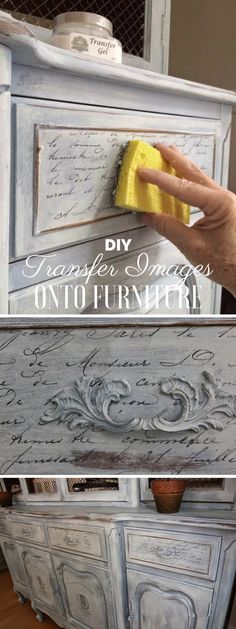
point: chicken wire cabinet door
(165, 603)
(142, 27)
(152, 51)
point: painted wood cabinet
(153, 570)
(117, 397)
(69, 120)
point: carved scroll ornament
(89, 400)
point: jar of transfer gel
(88, 34)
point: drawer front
(87, 542)
(29, 532)
(66, 161)
(189, 554)
(148, 293)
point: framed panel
(49, 211)
(161, 602)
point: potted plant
(168, 493)
(5, 498)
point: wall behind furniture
(203, 49)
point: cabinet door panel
(66, 168)
(14, 562)
(163, 603)
(41, 578)
(85, 590)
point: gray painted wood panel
(128, 398)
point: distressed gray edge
(43, 321)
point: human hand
(212, 239)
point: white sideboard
(117, 396)
(68, 121)
(122, 568)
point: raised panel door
(85, 590)
(14, 562)
(161, 603)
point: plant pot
(5, 498)
(168, 494)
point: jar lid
(83, 17)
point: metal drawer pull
(71, 540)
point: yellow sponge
(133, 193)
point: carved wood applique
(89, 399)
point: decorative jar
(89, 34)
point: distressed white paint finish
(28, 531)
(87, 541)
(40, 578)
(5, 141)
(163, 603)
(85, 591)
(78, 591)
(14, 564)
(28, 51)
(74, 399)
(187, 552)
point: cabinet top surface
(29, 51)
(148, 515)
